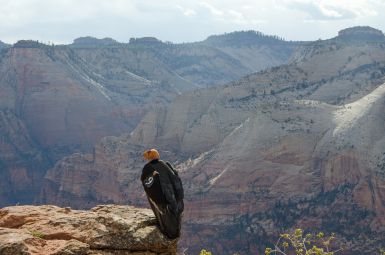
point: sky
(61, 21)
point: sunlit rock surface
(103, 230)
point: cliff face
(111, 173)
(51, 107)
(188, 65)
(104, 230)
(59, 100)
(299, 145)
(361, 34)
(286, 147)
(22, 164)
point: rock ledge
(103, 230)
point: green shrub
(204, 252)
(301, 244)
(37, 234)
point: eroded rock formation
(299, 145)
(58, 100)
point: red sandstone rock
(106, 229)
(254, 162)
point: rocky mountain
(243, 38)
(92, 41)
(58, 100)
(54, 104)
(216, 60)
(362, 34)
(104, 230)
(3, 45)
(298, 145)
